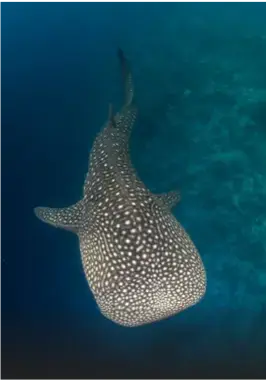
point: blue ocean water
(199, 72)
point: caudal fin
(127, 78)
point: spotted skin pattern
(140, 264)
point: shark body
(140, 264)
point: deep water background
(199, 72)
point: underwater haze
(199, 74)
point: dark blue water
(199, 72)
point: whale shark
(139, 262)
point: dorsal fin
(67, 218)
(169, 199)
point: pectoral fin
(169, 199)
(67, 218)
